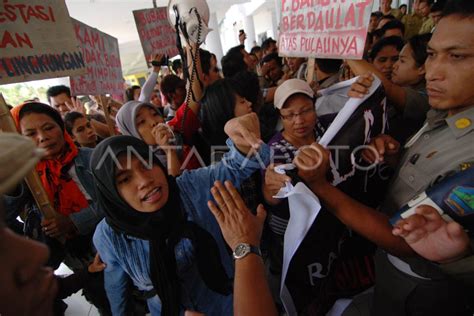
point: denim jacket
(128, 258)
(84, 220)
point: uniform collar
(461, 123)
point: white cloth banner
(304, 205)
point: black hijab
(163, 228)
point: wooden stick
(310, 71)
(32, 178)
(103, 102)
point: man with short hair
(436, 11)
(393, 28)
(428, 23)
(272, 70)
(59, 97)
(269, 47)
(413, 21)
(386, 9)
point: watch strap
(248, 249)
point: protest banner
(324, 28)
(37, 41)
(156, 34)
(102, 60)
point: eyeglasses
(292, 116)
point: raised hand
(163, 135)
(429, 235)
(237, 223)
(75, 105)
(244, 132)
(156, 58)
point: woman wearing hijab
(158, 231)
(143, 121)
(66, 177)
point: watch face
(241, 250)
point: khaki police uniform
(396, 13)
(413, 23)
(427, 26)
(415, 286)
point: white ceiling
(115, 17)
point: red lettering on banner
(361, 6)
(16, 40)
(350, 16)
(331, 28)
(25, 13)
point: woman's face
(83, 133)
(28, 288)
(242, 106)
(385, 60)
(145, 120)
(298, 116)
(143, 188)
(45, 132)
(405, 71)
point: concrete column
(213, 40)
(276, 16)
(249, 29)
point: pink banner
(324, 28)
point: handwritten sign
(324, 28)
(37, 41)
(156, 34)
(102, 59)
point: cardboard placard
(156, 34)
(324, 28)
(102, 60)
(37, 41)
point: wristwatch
(243, 249)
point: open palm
(429, 235)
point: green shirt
(427, 26)
(413, 23)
